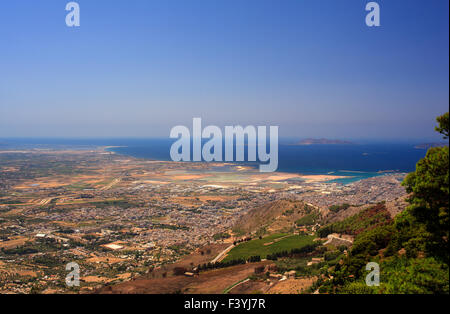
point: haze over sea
(357, 161)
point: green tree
(443, 125)
(429, 188)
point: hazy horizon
(282, 139)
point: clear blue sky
(140, 67)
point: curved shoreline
(334, 176)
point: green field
(257, 247)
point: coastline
(343, 177)
(289, 172)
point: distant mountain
(429, 145)
(323, 141)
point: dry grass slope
(276, 216)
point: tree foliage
(429, 188)
(443, 125)
(412, 250)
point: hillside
(342, 212)
(277, 216)
(212, 281)
(411, 250)
(368, 219)
(400, 246)
(269, 245)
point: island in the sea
(323, 141)
(430, 145)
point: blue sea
(355, 161)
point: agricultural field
(272, 244)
